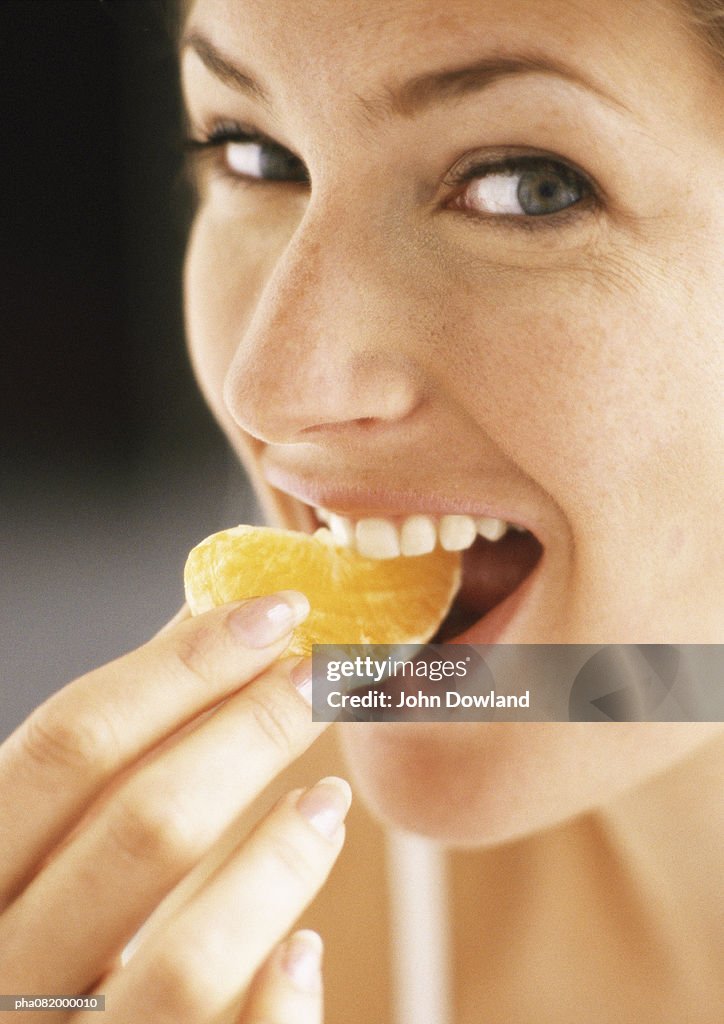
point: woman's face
(468, 258)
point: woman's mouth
(498, 559)
(503, 544)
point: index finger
(63, 755)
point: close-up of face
(467, 259)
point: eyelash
(198, 151)
(224, 133)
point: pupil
(279, 165)
(548, 189)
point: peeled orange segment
(354, 600)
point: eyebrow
(421, 92)
(415, 95)
(222, 67)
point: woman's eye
(265, 161)
(523, 187)
(245, 155)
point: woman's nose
(322, 352)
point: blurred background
(110, 466)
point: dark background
(110, 465)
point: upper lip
(360, 502)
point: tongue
(491, 571)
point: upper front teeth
(377, 538)
(416, 535)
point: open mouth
(498, 561)
(493, 584)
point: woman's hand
(119, 785)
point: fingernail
(263, 620)
(302, 679)
(325, 806)
(302, 960)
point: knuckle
(154, 829)
(83, 742)
(275, 719)
(193, 653)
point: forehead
(361, 33)
(353, 37)
(326, 56)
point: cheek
(591, 385)
(481, 784)
(210, 331)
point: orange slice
(354, 600)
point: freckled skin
(370, 331)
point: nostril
(324, 384)
(351, 427)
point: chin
(454, 783)
(482, 784)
